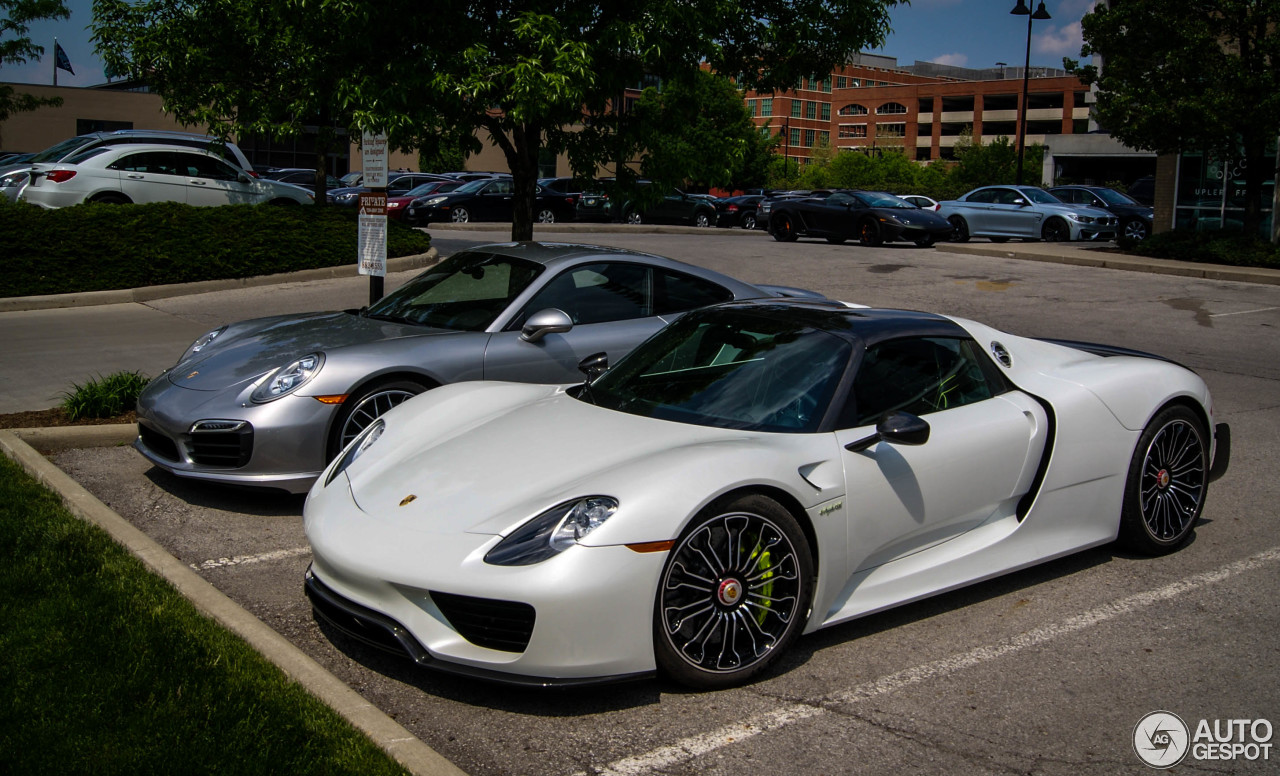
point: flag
(61, 61)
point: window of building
(926, 105)
(810, 110)
(890, 108)
(1080, 126)
(825, 112)
(766, 106)
(853, 130)
(1081, 99)
(924, 130)
(826, 84)
(795, 109)
(891, 130)
(853, 110)
(795, 136)
(824, 136)
(854, 83)
(765, 132)
(808, 138)
(751, 107)
(842, 82)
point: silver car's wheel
(734, 594)
(546, 216)
(1167, 483)
(1135, 229)
(359, 411)
(459, 215)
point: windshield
(425, 188)
(1113, 197)
(471, 187)
(728, 369)
(58, 152)
(884, 199)
(465, 292)
(1039, 196)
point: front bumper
(590, 609)
(221, 437)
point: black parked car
(1135, 217)
(398, 184)
(675, 208)
(738, 211)
(488, 200)
(874, 217)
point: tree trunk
(524, 179)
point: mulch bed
(58, 417)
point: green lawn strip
(109, 670)
(98, 247)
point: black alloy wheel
(1055, 230)
(869, 233)
(782, 228)
(959, 229)
(1167, 483)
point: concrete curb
(389, 735)
(1086, 257)
(148, 293)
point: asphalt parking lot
(1046, 671)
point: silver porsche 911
(268, 402)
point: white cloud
(958, 60)
(1065, 40)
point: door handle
(198, 183)
(135, 176)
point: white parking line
(1245, 312)
(695, 746)
(244, 560)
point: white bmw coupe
(754, 471)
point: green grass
(101, 247)
(104, 397)
(106, 669)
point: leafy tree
(537, 74)
(1190, 75)
(985, 164)
(248, 67)
(16, 48)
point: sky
(967, 33)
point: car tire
(749, 221)
(1135, 229)
(634, 217)
(1055, 230)
(717, 626)
(869, 233)
(459, 215)
(782, 228)
(1167, 482)
(546, 216)
(361, 409)
(112, 198)
(959, 229)
(926, 241)
(701, 220)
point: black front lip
(374, 629)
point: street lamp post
(1023, 10)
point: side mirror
(594, 365)
(544, 322)
(1021, 202)
(243, 177)
(901, 428)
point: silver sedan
(268, 402)
(1025, 212)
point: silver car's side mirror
(544, 322)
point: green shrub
(1210, 247)
(104, 397)
(96, 247)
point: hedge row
(1211, 247)
(96, 247)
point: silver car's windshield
(465, 292)
(731, 370)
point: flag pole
(55, 61)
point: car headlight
(1079, 218)
(202, 342)
(552, 532)
(435, 200)
(345, 197)
(356, 449)
(288, 379)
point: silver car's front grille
(222, 443)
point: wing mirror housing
(594, 365)
(900, 428)
(544, 322)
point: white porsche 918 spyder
(754, 471)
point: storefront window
(1211, 192)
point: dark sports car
(874, 217)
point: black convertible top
(861, 325)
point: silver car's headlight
(553, 531)
(202, 342)
(356, 449)
(1079, 218)
(288, 379)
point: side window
(1009, 197)
(920, 375)
(498, 187)
(198, 166)
(597, 293)
(153, 162)
(676, 292)
(988, 195)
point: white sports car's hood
(485, 457)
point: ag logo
(1161, 739)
